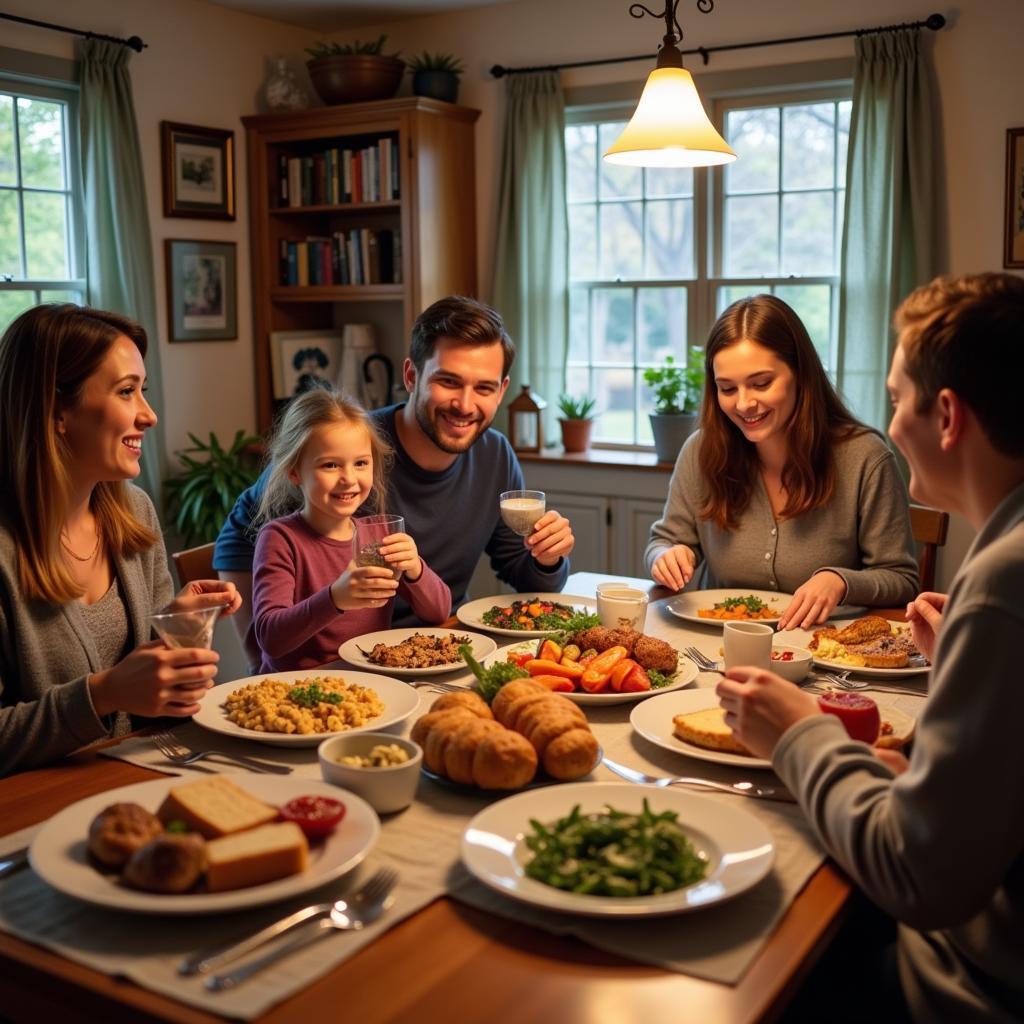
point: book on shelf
(337, 175)
(359, 256)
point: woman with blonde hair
(82, 562)
(309, 596)
(782, 488)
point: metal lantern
(526, 421)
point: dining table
(447, 960)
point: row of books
(359, 256)
(367, 175)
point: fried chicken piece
(600, 638)
(864, 629)
(650, 652)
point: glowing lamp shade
(669, 127)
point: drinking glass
(621, 607)
(186, 629)
(521, 509)
(370, 534)
(747, 643)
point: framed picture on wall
(1013, 252)
(202, 294)
(303, 359)
(198, 171)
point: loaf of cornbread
(256, 856)
(707, 729)
(214, 807)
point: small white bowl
(794, 670)
(384, 789)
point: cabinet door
(633, 520)
(589, 518)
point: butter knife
(13, 861)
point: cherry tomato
(317, 816)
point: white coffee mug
(621, 607)
(747, 643)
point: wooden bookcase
(433, 217)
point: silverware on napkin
(13, 861)
(736, 788)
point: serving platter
(471, 613)
(739, 848)
(686, 605)
(686, 675)
(59, 853)
(400, 700)
(355, 651)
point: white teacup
(747, 643)
(621, 607)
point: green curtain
(532, 254)
(119, 252)
(891, 226)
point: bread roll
(459, 753)
(550, 724)
(509, 692)
(441, 733)
(170, 863)
(119, 830)
(571, 755)
(516, 708)
(422, 726)
(463, 699)
(504, 760)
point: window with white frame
(656, 254)
(41, 234)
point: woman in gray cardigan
(82, 561)
(782, 489)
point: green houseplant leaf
(576, 408)
(436, 62)
(677, 389)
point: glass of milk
(521, 509)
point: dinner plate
(739, 848)
(352, 650)
(871, 673)
(400, 701)
(59, 856)
(686, 674)
(686, 605)
(653, 720)
(471, 613)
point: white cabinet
(631, 529)
(589, 516)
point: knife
(13, 861)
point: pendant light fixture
(669, 127)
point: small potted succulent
(354, 72)
(677, 395)
(576, 422)
(436, 75)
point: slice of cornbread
(707, 729)
(214, 807)
(256, 856)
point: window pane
(669, 181)
(843, 138)
(808, 134)
(840, 220)
(754, 134)
(613, 390)
(577, 384)
(661, 324)
(582, 243)
(41, 139)
(8, 175)
(644, 407)
(733, 293)
(612, 337)
(751, 236)
(618, 182)
(13, 303)
(45, 235)
(807, 233)
(812, 303)
(581, 161)
(10, 247)
(62, 295)
(622, 244)
(669, 249)
(579, 325)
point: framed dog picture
(198, 171)
(202, 296)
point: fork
(178, 754)
(854, 685)
(702, 661)
(736, 788)
(364, 907)
(428, 684)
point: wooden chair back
(929, 527)
(194, 564)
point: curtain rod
(933, 21)
(134, 41)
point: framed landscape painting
(202, 293)
(1013, 252)
(198, 171)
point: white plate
(59, 851)
(739, 848)
(400, 701)
(470, 614)
(352, 650)
(685, 606)
(653, 720)
(871, 673)
(686, 673)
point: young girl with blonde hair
(309, 596)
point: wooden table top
(446, 962)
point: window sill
(621, 458)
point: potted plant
(354, 72)
(200, 498)
(576, 422)
(677, 395)
(436, 75)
